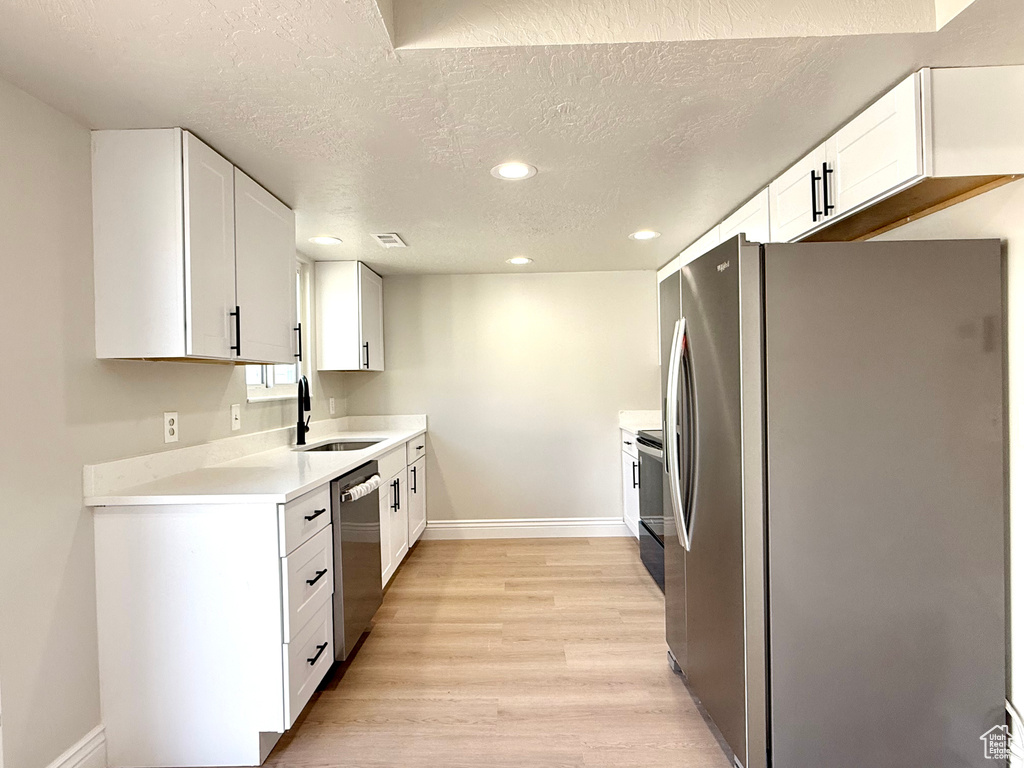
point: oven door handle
(656, 453)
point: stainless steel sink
(344, 445)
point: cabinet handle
(366, 349)
(237, 346)
(316, 514)
(319, 650)
(315, 579)
(394, 494)
(815, 213)
(398, 495)
(414, 479)
(420, 447)
(827, 208)
(628, 442)
(298, 331)
(636, 479)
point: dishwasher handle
(362, 489)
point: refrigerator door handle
(671, 436)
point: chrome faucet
(303, 424)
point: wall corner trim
(89, 752)
(526, 528)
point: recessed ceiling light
(513, 171)
(644, 234)
(325, 240)
(519, 260)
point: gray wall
(521, 377)
(998, 214)
(61, 408)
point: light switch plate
(236, 417)
(330, 404)
(170, 426)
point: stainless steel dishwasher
(355, 513)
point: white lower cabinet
(403, 503)
(630, 482)
(400, 517)
(215, 627)
(417, 499)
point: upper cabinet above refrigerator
(349, 317)
(936, 136)
(192, 259)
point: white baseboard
(530, 528)
(89, 752)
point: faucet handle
(307, 423)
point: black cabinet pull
(319, 650)
(414, 479)
(628, 442)
(237, 346)
(420, 447)
(316, 514)
(815, 213)
(827, 208)
(298, 331)
(366, 349)
(636, 478)
(394, 494)
(398, 495)
(315, 579)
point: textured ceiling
(311, 99)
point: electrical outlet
(236, 417)
(330, 404)
(170, 426)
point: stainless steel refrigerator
(836, 499)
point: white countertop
(634, 421)
(269, 477)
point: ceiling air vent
(389, 240)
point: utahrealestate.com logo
(998, 744)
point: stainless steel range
(652, 508)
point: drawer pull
(315, 579)
(420, 447)
(316, 514)
(319, 650)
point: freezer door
(886, 502)
(710, 304)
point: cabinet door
(881, 149)
(750, 220)
(791, 202)
(631, 493)
(209, 204)
(400, 519)
(265, 273)
(387, 564)
(371, 320)
(417, 499)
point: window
(279, 382)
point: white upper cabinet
(700, 246)
(209, 203)
(797, 199)
(189, 261)
(750, 220)
(349, 317)
(265, 259)
(881, 149)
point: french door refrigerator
(835, 492)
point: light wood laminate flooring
(520, 653)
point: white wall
(998, 214)
(521, 377)
(59, 409)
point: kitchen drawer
(312, 562)
(306, 660)
(304, 517)
(390, 464)
(629, 444)
(415, 449)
